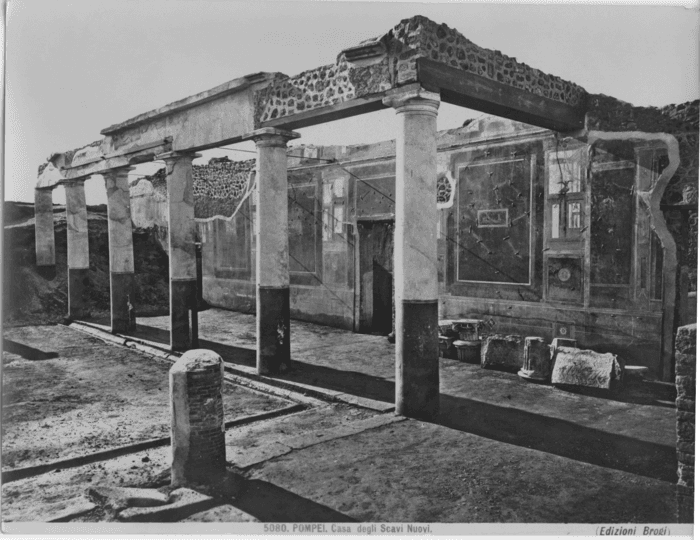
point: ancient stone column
(43, 228)
(182, 232)
(415, 253)
(197, 429)
(121, 249)
(272, 264)
(78, 253)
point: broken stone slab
(183, 502)
(225, 513)
(580, 367)
(119, 498)
(502, 352)
(563, 342)
(537, 364)
(61, 511)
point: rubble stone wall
(685, 419)
(393, 63)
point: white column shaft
(121, 246)
(77, 225)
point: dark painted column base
(183, 304)
(121, 296)
(273, 330)
(417, 364)
(47, 272)
(78, 282)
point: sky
(76, 67)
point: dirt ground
(502, 450)
(92, 397)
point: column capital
(177, 155)
(126, 169)
(72, 182)
(271, 137)
(413, 98)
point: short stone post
(685, 420)
(197, 429)
(537, 364)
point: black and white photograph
(332, 268)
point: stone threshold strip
(244, 375)
(36, 470)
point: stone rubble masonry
(685, 420)
(580, 367)
(197, 418)
(391, 60)
(502, 352)
(537, 364)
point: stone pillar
(272, 264)
(686, 353)
(415, 253)
(78, 252)
(182, 232)
(197, 429)
(121, 249)
(43, 227)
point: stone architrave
(197, 429)
(272, 264)
(43, 227)
(415, 253)
(121, 249)
(78, 252)
(580, 367)
(182, 233)
(537, 364)
(502, 352)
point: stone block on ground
(119, 498)
(183, 502)
(468, 350)
(223, 514)
(580, 367)
(537, 363)
(502, 352)
(563, 342)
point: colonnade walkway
(633, 431)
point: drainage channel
(13, 475)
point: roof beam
(467, 89)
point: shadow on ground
(503, 424)
(270, 503)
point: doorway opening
(376, 276)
